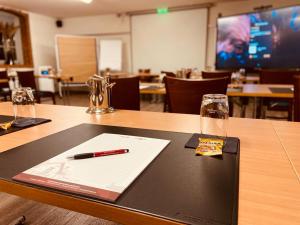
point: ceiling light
(87, 1)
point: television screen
(268, 39)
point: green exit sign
(162, 11)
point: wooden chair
(277, 76)
(147, 71)
(169, 74)
(27, 79)
(185, 96)
(4, 87)
(216, 74)
(297, 98)
(275, 104)
(126, 93)
(143, 75)
(241, 102)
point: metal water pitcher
(100, 94)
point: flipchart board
(76, 56)
(110, 55)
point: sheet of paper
(102, 177)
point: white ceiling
(74, 8)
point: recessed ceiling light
(87, 1)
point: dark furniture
(185, 96)
(216, 74)
(176, 187)
(277, 77)
(169, 74)
(4, 87)
(297, 98)
(146, 76)
(27, 79)
(241, 101)
(126, 93)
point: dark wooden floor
(12, 207)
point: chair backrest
(27, 79)
(297, 98)
(126, 93)
(185, 96)
(277, 77)
(188, 75)
(148, 71)
(3, 75)
(216, 74)
(144, 71)
(169, 74)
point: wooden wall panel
(77, 56)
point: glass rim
(22, 89)
(215, 96)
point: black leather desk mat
(12, 129)
(231, 143)
(177, 185)
(281, 90)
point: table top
(147, 75)
(3, 81)
(269, 162)
(260, 90)
(243, 90)
(124, 74)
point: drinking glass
(23, 105)
(214, 114)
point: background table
(269, 163)
(3, 81)
(246, 90)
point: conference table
(269, 181)
(3, 81)
(242, 90)
(255, 91)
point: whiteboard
(169, 42)
(110, 55)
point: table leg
(60, 89)
(254, 108)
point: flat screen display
(268, 39)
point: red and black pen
(99, 154)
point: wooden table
(259, 90)
(246, 90)
(3, 81)
(147, 75)
(269, 163)
(141, 75)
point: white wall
(43, 31)
(169, 42)
(92, 25)
(104, 27)
(232, 8)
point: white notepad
(102, 177)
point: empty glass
(214, 114)
(23, 105)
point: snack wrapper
(210, 147)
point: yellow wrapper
(210, 146)
(6, 125)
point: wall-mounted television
(268, 39)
